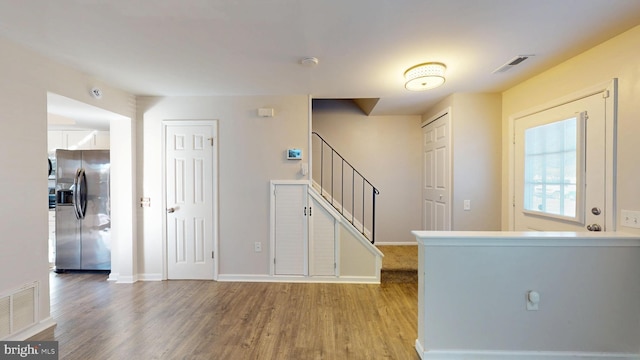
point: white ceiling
(253, 47)
(70, 114)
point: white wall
(251, 153)
(616, 58)
(26, 79)
(387, 151)
(475, 160)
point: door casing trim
(608, 88)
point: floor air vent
(18, 310)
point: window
(552, 168)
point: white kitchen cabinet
(303, 234)
(78, 140)
(55, 141)
(102, 140)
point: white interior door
(291, 229)
(436, 189)
(323, 240)
(190, 197)
(560, 177)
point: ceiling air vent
(511, 63)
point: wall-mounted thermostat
(294, 154)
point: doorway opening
(73, 125)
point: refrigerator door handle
(80, 194)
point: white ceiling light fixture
(424, 76)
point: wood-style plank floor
(220, 320)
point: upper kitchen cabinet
(78, 140)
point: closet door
(322, 230)
(291, 229)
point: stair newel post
(373, 215)
(321, 167)
(363, 214)
(353, 195)
(332, 191)
(342, 185)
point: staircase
(345, 188)
(354, 197)
(400, 264)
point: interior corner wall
(251, 152)
(387, 151)
(616, 58)
(476, 158)
(26, 79)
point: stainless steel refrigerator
(83, 216)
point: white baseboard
(32, 330)
(298, 279)
(150, 277)
(518, 355)
(115, 277)
(130, 279)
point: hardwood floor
(215, 320)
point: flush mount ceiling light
(424, 76)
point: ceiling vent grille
(511, 63)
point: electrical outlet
(631, 218)
(467, 205)
(257, 246)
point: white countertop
(525, 238)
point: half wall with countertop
(474, 287)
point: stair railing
(346, 189)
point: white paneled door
(191, 192)
(436, 178)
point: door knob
(596, 211)
(594, 227)
(171, 210)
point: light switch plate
(630, 218)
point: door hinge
(212, 254)
(605, 94)
(274, 261)
(514, 138)
(211, 140)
